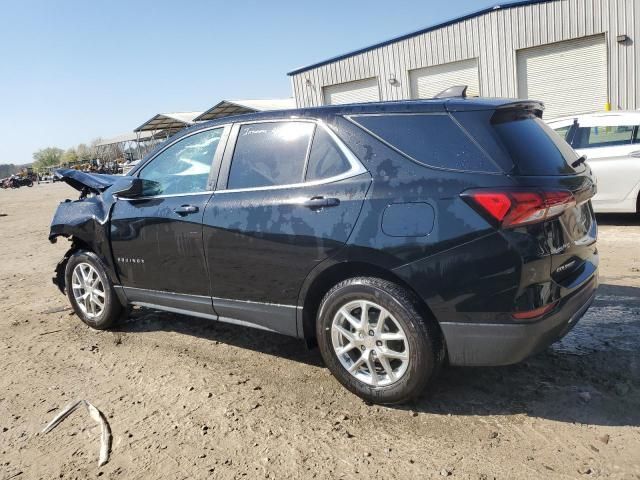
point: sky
(72, 71)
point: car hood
(96, 182)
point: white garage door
(569, 77)
(429, 81)
(359, 91)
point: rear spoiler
(529, 106)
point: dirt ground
(190, 398)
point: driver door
(157, 239)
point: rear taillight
(512, 208)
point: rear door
(289, 195)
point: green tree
(47, 157)
(70, 156)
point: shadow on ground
(618, 219)
(592, 376)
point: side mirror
(134, 187)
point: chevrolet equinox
(396, 236)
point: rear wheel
(375, 342)
(90, 291)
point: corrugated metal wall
(493, 39)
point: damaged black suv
(396, 235)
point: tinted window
(271, 153)
(184, 167)
(534, 147)
(434, 140)
(592, 137)
(326, 159)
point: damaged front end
(85, 222)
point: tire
(422, 345)
(87, 263)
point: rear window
(534, 147)
(432, 139)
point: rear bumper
(482, 344)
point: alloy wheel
(370, 343)
(88, 290)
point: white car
(611, 143)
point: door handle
(635, 154)
(185, 209)
(316, 203)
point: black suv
(396, 235)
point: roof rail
(453, 92)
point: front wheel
(375, 341)
(90, 291)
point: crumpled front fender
(86, 223)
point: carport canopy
(226, 108)
(125, 137)
(169, 121)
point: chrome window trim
(356, 168)
(169, 195)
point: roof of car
(403, 106)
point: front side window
(270, 154)
(603, 136)
(326, 160)
(184, 167)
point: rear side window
(593, 137)
(534, 147)
(431, 139)
(269, 154)
(326, 159)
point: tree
(70, 156)
(84, 153)
(47, 157)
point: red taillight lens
(495, 204)
(531, 314)
(512, 208)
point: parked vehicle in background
(611, 143)
(395, 235)
(16, 182)
(128, 166)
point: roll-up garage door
(429, 81)
(359, 91)
(570, 77)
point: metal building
(577, 56)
